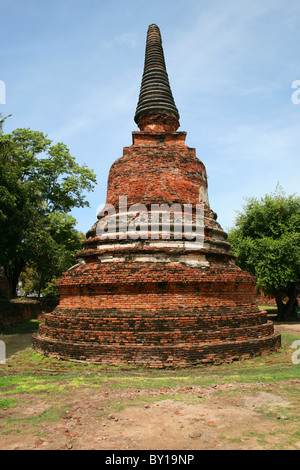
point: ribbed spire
(156, 103)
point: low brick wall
(12, 313)
(265, 300)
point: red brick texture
(157, 304)
(157, 168)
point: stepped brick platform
(149, 290)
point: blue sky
(73, 69)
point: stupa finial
(156, 109)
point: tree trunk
(288, 309)
(292, 292)
(13, 280)
(280, 306)
(40, 286)
(13, 275)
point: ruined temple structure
(151, 294)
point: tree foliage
(53, 253)
(266, 242)
(39, 182)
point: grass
(267, 307)
(31, 371)
(8, 402)
(32, 423)
(22, 384)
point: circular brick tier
(155, 314)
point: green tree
(37, 180)
(57, 243)
(266, 242)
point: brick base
(157, 356)
(156, 322)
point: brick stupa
(153, 297)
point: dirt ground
(154, 419)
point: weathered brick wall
(158, 174)
(160, 356)
(157, 315)
(265, 300)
